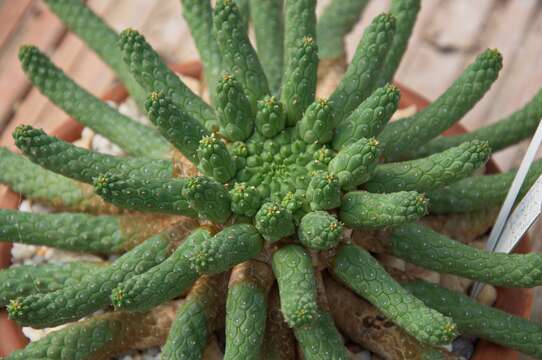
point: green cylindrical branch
(317, 123)
(208, 198)
(270, 117)
(176, 125)
(75, 232)
(234, 111)
(361, 209)
(269, 31)
(244, 12)
(82, 164)
(147, 195)
(163, 282)
(102, 234)
(324, 191)
(474, 319)
(432, 172)
(214, 159)
(424, 247)
(479, 192)
(405, 13)
(410, 133)
(238, 55)
(300, 78)
(41, 185)
(355, 163)
(234, 244)
(92, 293)
(361, 77)
(505, 132)
(337, 20)
(320, 340)
(134, 138)
(199, 16)
(364, 324)
(154, 76)
(299, 23)
(199, 254)
(138, 227)
(196, 319)
(369, 118)
(361, 272)
(25, 280)
(274, 222)
(319, 230)
(466, 227)
(102, 336)
(100, 37)
(293, 269)
(246, 310)
(245, 200)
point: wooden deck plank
(36, 109)
(521, 82)
(373, 9)
(13, 83)
(509, 23)
(443, 52)
(81, 64)
(10, 17)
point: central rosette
(279, 165)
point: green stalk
(432, 172)
(269, 30)
(337, 20)
(44, 186)
(134, 138)
(407, 134)
(362, 273)
(474, 319)
(154, 76)
(426, 248)
(100, 37)
(199, 16)
(479, 192)
(361, 77)
(81, 164)
(405, 12)
(505, 132)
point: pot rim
(515, 301)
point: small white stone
(130, 109)
(104, 146)
(39, 208)
(21, 252)
(25, 206)
(405, 112)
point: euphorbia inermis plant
(283, 178)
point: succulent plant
(284, 186)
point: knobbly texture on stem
(246, 310)
(269, 182)
(113, 333)
(367, 326)
(409, 133)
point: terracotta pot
(514, 301)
